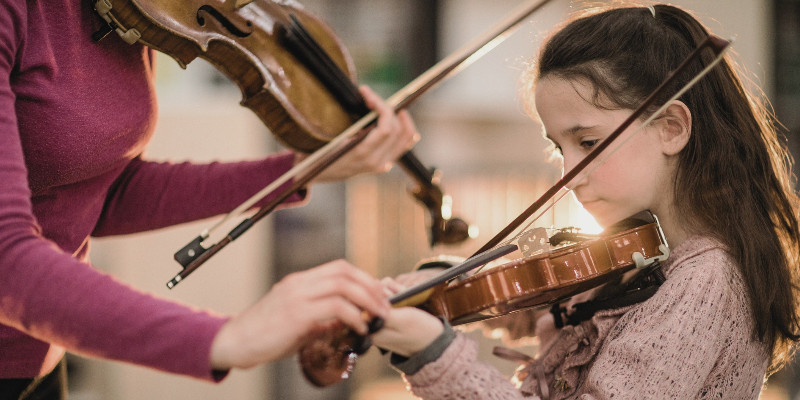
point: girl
(711, 167)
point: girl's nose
(568, 165)
(581, 178)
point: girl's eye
(588, 144)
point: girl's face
(635, 177)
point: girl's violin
(552, 276)
(536, 280)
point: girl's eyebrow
(571, 131)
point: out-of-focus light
(586, 222)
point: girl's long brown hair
(733, 180)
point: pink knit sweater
(75, 117)
(692, 339)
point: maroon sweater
(75, 117)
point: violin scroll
(444, 228)
(330, 354)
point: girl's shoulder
(703, 281)
(701, 257)
(696, 330)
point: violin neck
(417, 170)
(303, 46)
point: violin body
(587, 267)
(293, 72)
(246, 43)
(544, 279)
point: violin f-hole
(237, 26)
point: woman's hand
(392, 136)
(407, 330)
(300, 303)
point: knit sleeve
(150, 195)
(668, 346)
(457, 375)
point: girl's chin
(604, 216)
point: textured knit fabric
(75, 117)
(691, 340)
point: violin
(557, 274)
(292, 70)
(537, 280)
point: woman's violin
(294, 74)
(551, 275)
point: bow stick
(193, 255)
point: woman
(75, 118)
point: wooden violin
(292, 70)
(538, 280)
(543, 279)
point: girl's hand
(392, 136)
(407, 330)
(300, 303)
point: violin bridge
(533, 242)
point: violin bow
(193, 255)
(718, 45)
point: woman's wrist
(225, 348)
(221, 350)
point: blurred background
(492, 158)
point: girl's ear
(675, 128)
